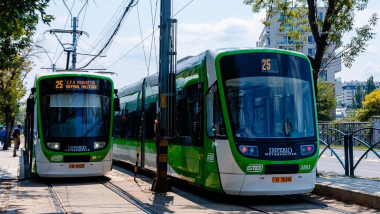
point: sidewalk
(365, 192)
(9, 165)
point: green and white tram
(69, 124)
(245, 122)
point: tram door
(29, 134)
(189, 124)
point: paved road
(369, 167)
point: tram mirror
(116, 104)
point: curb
(351, 196)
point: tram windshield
(268, 95)
(75, 113)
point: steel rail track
(255, 209)
(126, 196)
(315, 203)
(56, 201)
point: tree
(11, 91)
(302, 16)
(326, 101)
(18, 20)
(369, 86)
(371, 106)
(358, 97)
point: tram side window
(189, 115)
(132, 124)
(150, 116)
(117, 124)
(215, 121)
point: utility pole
(75, 32)
(74, 55)
(167, 94)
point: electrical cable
(130, 5)
(147, 36)
(58, 45)
(107, 30)
(143, 47)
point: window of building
(323, 75)
(320, 16)
(310, 39)
(268, 41)
(290, 40)
(311, 51)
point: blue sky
(201, 25)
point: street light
(51, 62)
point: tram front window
(76, 115)
(268, 95)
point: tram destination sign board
(73, 83)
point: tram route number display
(281, 179)
(76, 84)
(269, 65)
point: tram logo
(280, 152)
(254, 168)
(56, 158)
(77, 149)
(210, 157)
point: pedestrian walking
(16, 138)
(2, 135)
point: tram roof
(190, 61)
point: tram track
(276, 204)
(57, 202)
(305, 199)
(125, 195)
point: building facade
(272, 37)
(344, 96)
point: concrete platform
(365, 192)
(361, 191)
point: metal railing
(345, 135)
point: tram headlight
(249, 150)
(307, 149)
(54, 145)
(99, 145)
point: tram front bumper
(80, 169)
(255, 184)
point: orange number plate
(281, 179)
(73, 166)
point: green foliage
(302, 16)
(357, 98)
(352, 116)
(371, 106)
(370, 85)
(18, 20)
(326, 101)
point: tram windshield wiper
(91, 128)
(287, 127)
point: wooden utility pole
(167, 69)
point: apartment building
(272, 37)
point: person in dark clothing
(16, 138)
(2, 135)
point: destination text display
(76, 84)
